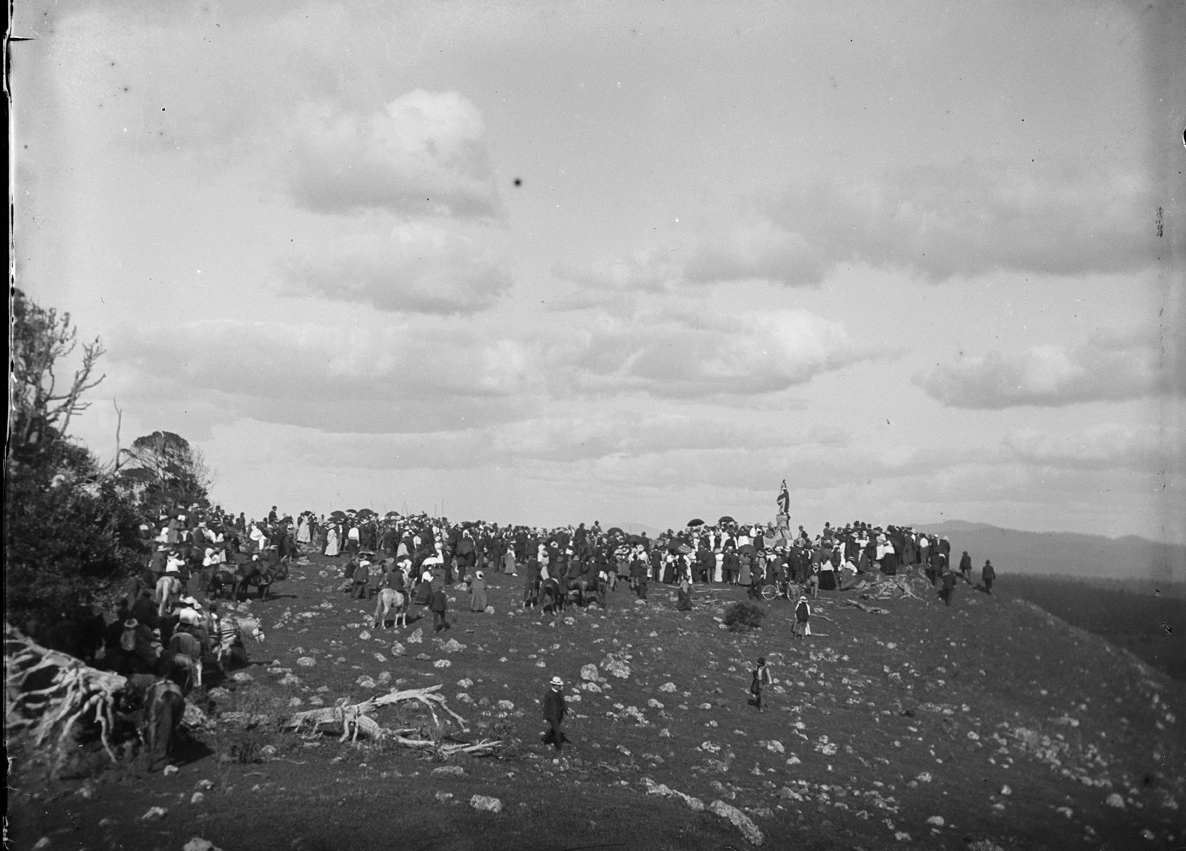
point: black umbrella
(726, 519)
(696, 521)
(747, 548)
(364, 513)
(614, 530)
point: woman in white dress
(304, 536)
(333, 545)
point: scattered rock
(739, 820)
(486, 804)
(244, 677)
(1115, 800)
(416, 637)
(398, 649)
(937, 821)
(365, 635)
(448, 771)
(306, 662)
(199, 844)
(589, 673)
(365, 682)
(154, 814)
(667, 687)
(441, 663)
(452, 646)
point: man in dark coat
(948, 589)
(987, 575)
(966, 567)
(438, 604)
(361, 579)
(554, 711)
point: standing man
(361, 579)
(966, 567)
(438, 604)
(554, 712)
(987, 575)
(948, 589)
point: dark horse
(255, 573)
(552, 596)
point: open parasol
(695, 521)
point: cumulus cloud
(393, 378)
(966, 218)
(1103, 368)
(423, 152)
(937, 221)
(668, 355)
(1098, 447)
(756, 249)
(417, 268)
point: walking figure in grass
(555, 709)
(761, 676)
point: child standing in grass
(761, 676)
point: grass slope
(1006, 723)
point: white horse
(168, 590)
(390, 602)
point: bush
(742, 617)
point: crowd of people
(401, 552)
(172, 619)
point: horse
(164, 706)
(221, 582)
(581, 590)
(390, 602)
(168, 591)
(186, 651)
(253, 573)
(552, 597)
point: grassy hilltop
(989, 723)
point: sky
(548, 263)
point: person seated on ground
(847, 576)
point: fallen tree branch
(353, 720)
(873, 610)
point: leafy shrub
(743, 616)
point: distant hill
(1014, 551)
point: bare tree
(40, 407)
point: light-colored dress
(333, 546)
(303, 536)
(477, 595)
